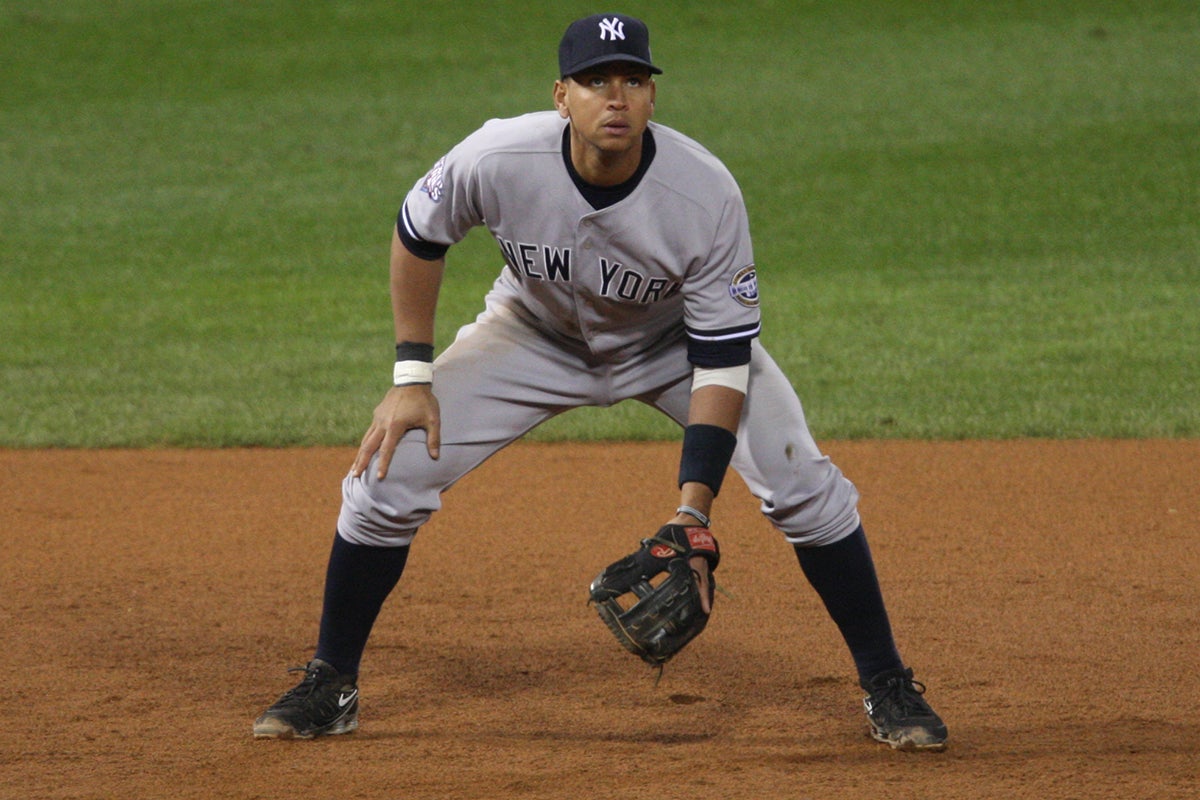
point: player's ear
(560, 99)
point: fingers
(376, 441)
(403, 409)
(386, 450)
(699, 566)
(387, 446)
(433, 438)
(370, 443)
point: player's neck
(605, 168)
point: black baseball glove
(666, 616)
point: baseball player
(628, 273)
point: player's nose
(617, 96)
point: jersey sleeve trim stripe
(430, 251)
(406, 221)
(726, 334)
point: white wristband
(737, 378)
(407, 373)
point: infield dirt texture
(1046, 591)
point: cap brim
(614, 58)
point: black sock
(359, 578)
(843, 574)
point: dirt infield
(1047, 592)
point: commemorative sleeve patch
(433, 183)
(743, 287)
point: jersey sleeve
(443, 205)
(721, 311)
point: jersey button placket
(580, 289)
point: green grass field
(971, 219)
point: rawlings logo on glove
(663, 618)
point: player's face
(609, 108)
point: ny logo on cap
(612, 29)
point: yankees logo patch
(743, 287)
(612, 29)
(432, 185)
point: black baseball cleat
(323, 704)
(899, 715)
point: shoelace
(306, 686)
(904, 693)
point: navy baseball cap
(603, 38)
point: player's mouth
(616, 127)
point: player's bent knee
(814, 514)
(817, 522)
(377, 539)
(827, 535)
(376, 521)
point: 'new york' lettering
(545, 262)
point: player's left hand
(699, 565)
(665, 617)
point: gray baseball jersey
(601, 299)
(605, 279)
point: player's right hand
(404, 408)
